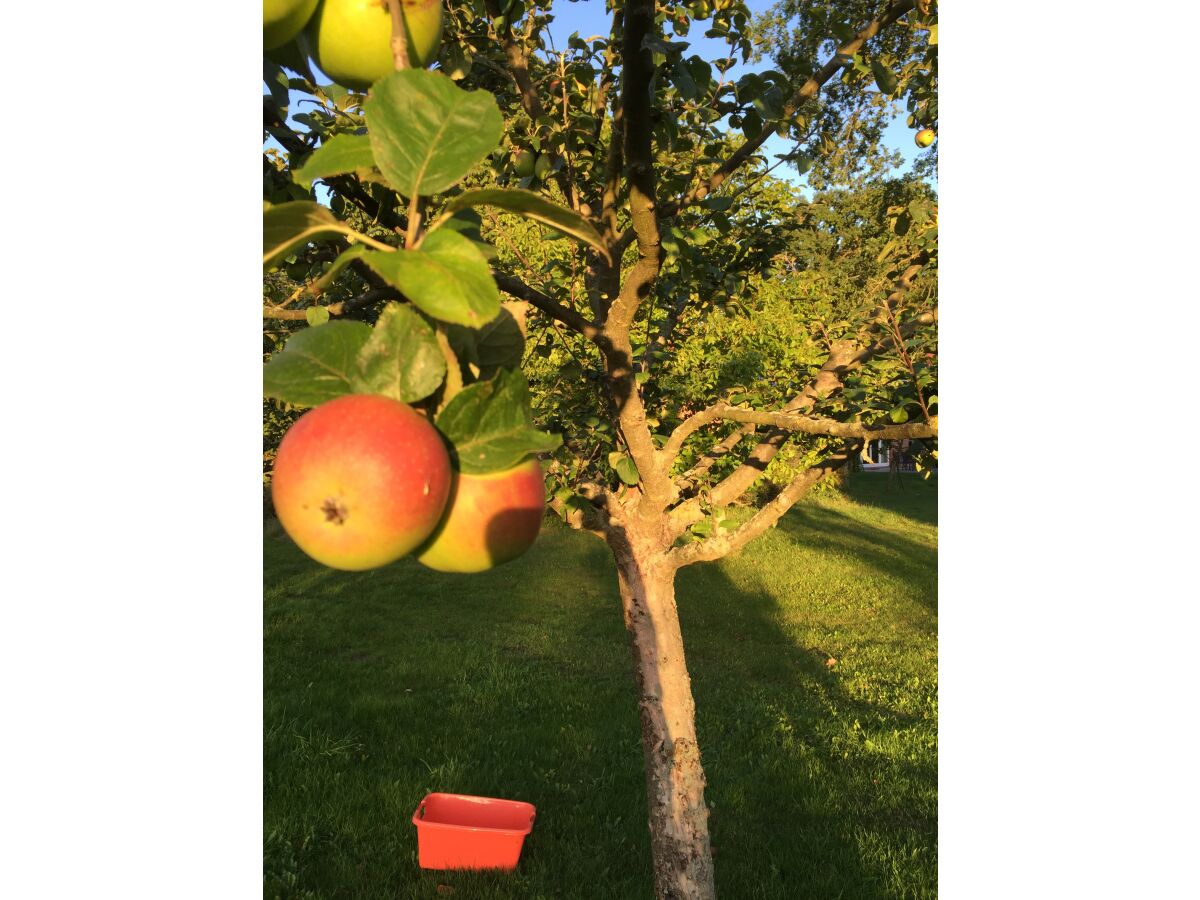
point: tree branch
(555, 310)
(335, 309)
(724, 544)
(605, 281)
(719, 450)
(638, 70)
(518, 67)
(808, 91)
(785, 421)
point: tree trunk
(679, 843)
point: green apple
(924, 137)
(490, 519)
(351, 40)
(284, 19)
(524, 162)
(543, 165)
(360, 481)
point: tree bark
(678, 815)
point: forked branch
(724, 544)
(844, 356)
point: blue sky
(588, 18)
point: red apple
(360, 481)
(490, 519)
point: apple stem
(399, 37)
(413, 236)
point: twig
(399, 36)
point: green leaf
(316, 364)
(752, 124)
(681, 76)
(627, 470)
(899, 415)
(316, 315)
(426, 132)
(918, 211)
(445, 277)
(885, 78)
(290, 226)
(933, 37)
(532, 206)
(467, 222)
(402, 359)
(490, 425)
(494, 345)
(843, 30)
(277, 82)
(340, 154)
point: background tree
(699, 324)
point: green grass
(383, 686)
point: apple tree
(600, 221)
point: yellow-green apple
(351, 40)
(360, 481)
(924, 137)
(284, 19)
(542, 167)
(490, 519)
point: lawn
(814, 664)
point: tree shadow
(913, 496)
(818, 699)
(894, 558)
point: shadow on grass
(911, 496)
(827, 530)
(383, 686)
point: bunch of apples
(363, 480)
(351, 40)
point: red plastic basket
(455, 831)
